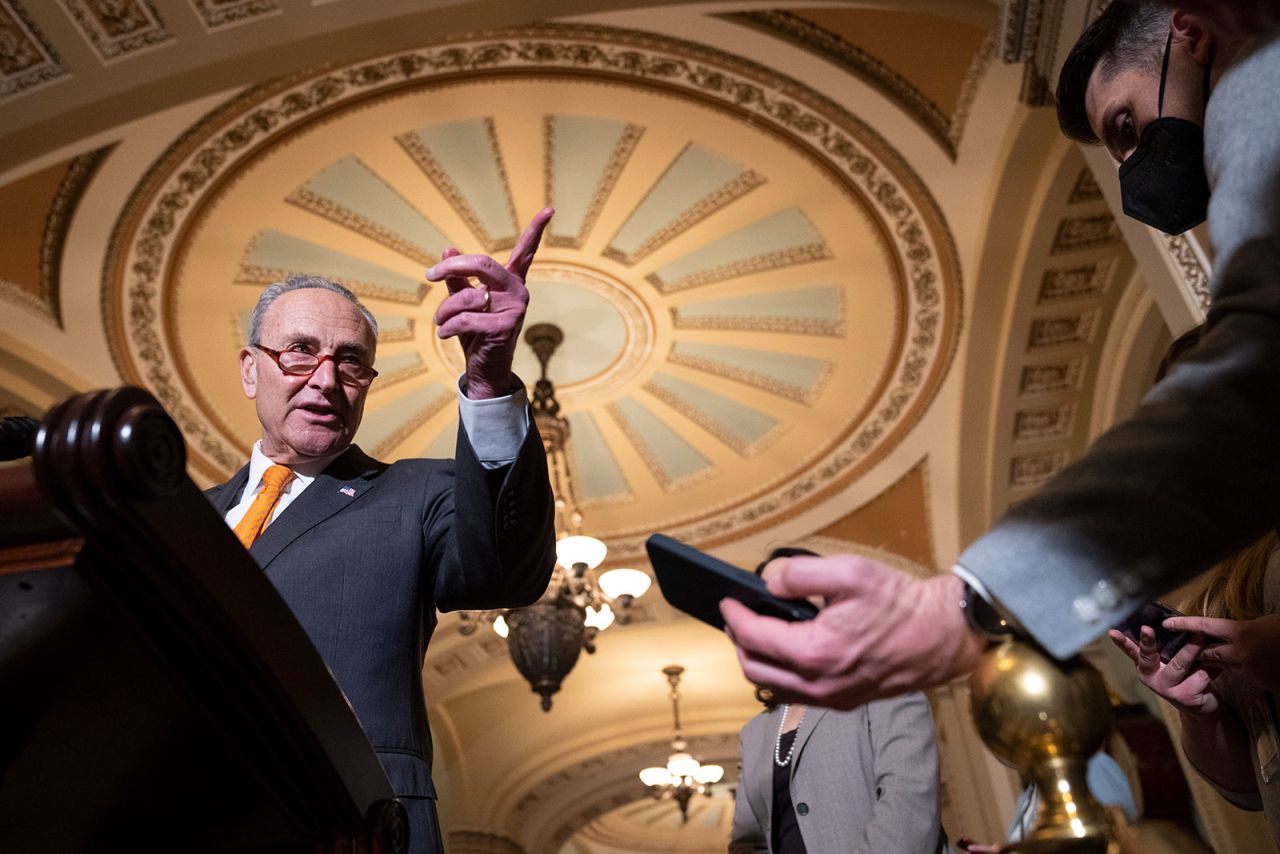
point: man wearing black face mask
(1190, 478)
(1140, 81)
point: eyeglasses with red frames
(299, 363)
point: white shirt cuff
(496, 426)
(972, 580)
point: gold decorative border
(1191, 266)
(252, 274)
(754, 379)
(422, 416)
(747, 323)
(387, 336)
(112, 47)
(14, 293)
(789, 257)
(1062, 330)
(945, 130)
(576, 461)
(331, 210)
(1077, 233)
(711, 425)
(386, 380)
(57, 225)
(651, 462)
(347, 218)
(156, 216)
(1063, 284)
(735, 188)
(618, 159)
(1043, 424)
(1086, 189)
(42, 63)
(217, 16)
(411, 142)
(1065, 377)
(1031, 470)
(969, 91)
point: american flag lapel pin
(347, 491)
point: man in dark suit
(365, 552)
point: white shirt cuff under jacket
(497, 426)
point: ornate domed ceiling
(754, 311)
(761, 299)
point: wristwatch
(983, 618)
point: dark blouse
(785, 832)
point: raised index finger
(527, 246)
(455, 284)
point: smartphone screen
(1153, 614)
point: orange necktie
(273, 480)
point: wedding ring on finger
(488, 300)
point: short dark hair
(784, 551)
(1125, 36)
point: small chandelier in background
(684, 776)
(546, 638)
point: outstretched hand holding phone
(1186, 686)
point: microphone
(17, 435)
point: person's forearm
(1218, 746)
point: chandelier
(683, 776)
(546, 638)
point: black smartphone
(695, 582)
(1153, 614)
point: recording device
(17, 434)
(1153, 614)
(695, 582)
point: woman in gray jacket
(823, 781)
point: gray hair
(298, 283)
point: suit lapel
(225, 497)
(323, 498)
(807, 726)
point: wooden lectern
(156, 694)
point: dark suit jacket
(365, 573)
(1186, 481)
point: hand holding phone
(695, 582)
(1153, 614)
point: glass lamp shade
(624, 582)
(601, 619)
(580, 549)
(500, 626)
(707, 774)
(682, 765)
(656, 777)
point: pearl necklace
(783, 762)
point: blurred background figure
(818, 780)
(1223, 681)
